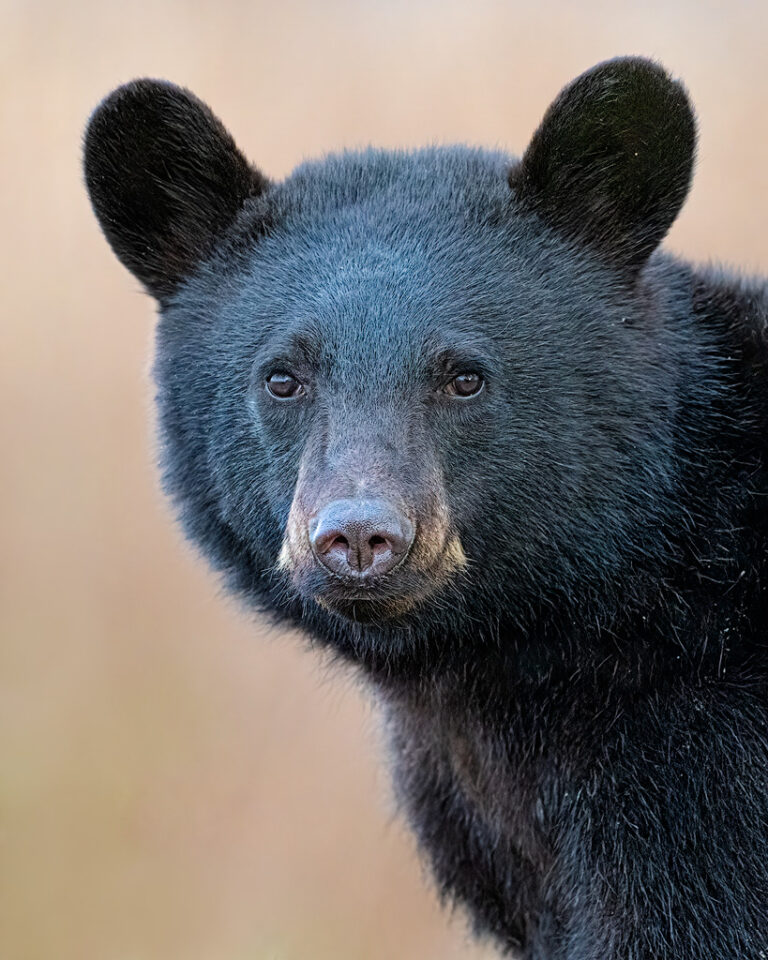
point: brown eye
(465, 385)
(283, 386)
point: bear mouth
(366, 608)
(383, 599)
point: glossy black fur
(579, 712)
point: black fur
(165, 179)
(573, 660)
(612, 160)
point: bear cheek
(438, 552)
(295, 558)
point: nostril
(339, 542)
(378, 544)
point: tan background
(173, 782)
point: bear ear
(611, 163)
(165, 180)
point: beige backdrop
(175, 783)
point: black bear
(454, 414)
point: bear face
(379, 378)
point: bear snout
(360, 538)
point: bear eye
(283, 386)
(464, 385)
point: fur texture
(573, 657)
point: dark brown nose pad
(360, 538)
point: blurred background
(175, 781)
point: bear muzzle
(360, 538)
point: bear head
(404, 388)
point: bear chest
(487, 778)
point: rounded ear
(611, 163)
(165, 180)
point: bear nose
(360, 538)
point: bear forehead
(430, 179)
(381, 256)
(352, 217)
(379, 232)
